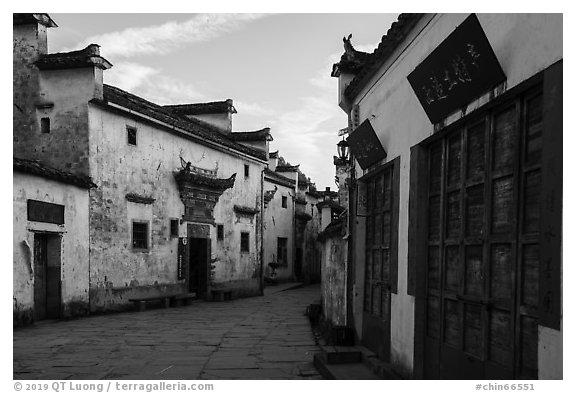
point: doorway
(47, 276)
(198, 272)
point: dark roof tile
(87, 57)
(34, 167)
(248, 136)
(226, 106)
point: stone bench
(184, 299)
(220, 295)
(140, 302)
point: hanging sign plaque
(460, 69)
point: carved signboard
(182, 257)
(362, 199)
(45, 212)
(365, 145)
(459, 70)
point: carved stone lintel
(246, 210)
(132, 197)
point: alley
(265, 337)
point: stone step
(343, 365)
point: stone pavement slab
(265, 337)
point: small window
(284, 202)
(246, 170)
(282, 251)
(174, 227)
(220, 231)
(131, 131)
(45, 125)
(140, 235)
(244, 242)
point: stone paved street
(266, 337)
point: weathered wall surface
(29, 42)
(334, 257)
(279, 222)
(74, 244)
(220, 120)
(59, 95)
(524, 45)
(147, 169)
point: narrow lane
(266, 337)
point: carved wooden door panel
(483, 250)
(378, 273)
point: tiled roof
(87, 57)
(273, 154)
(393, 38)
(192, 126)
(25, 19)
(277, 178)
(34, 167)
(333, 229)
(303, 180)
(260, 135)
(226, 106)
(287, 168)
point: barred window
(244, 242)
(140, 235)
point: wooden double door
(380, 257)
(482, 245)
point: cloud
(149, 83)
(308, 134)
(167, 37)
(253, 109)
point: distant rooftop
(202, 108)
(247, 136)
(191, 125)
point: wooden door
(47, 276)
(379, 277)
(483, 250)
(198, 272)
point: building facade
(51, 243)
(456, 197)
(291, 223)
(178, 197)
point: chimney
(30, 41)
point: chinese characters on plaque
(460, 69)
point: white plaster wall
(278, 222)
(525, 44)
(74, 241)
(148, 169)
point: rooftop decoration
(351, 61)
(200, 190)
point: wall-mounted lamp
(343, 150)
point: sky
(276, 68)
